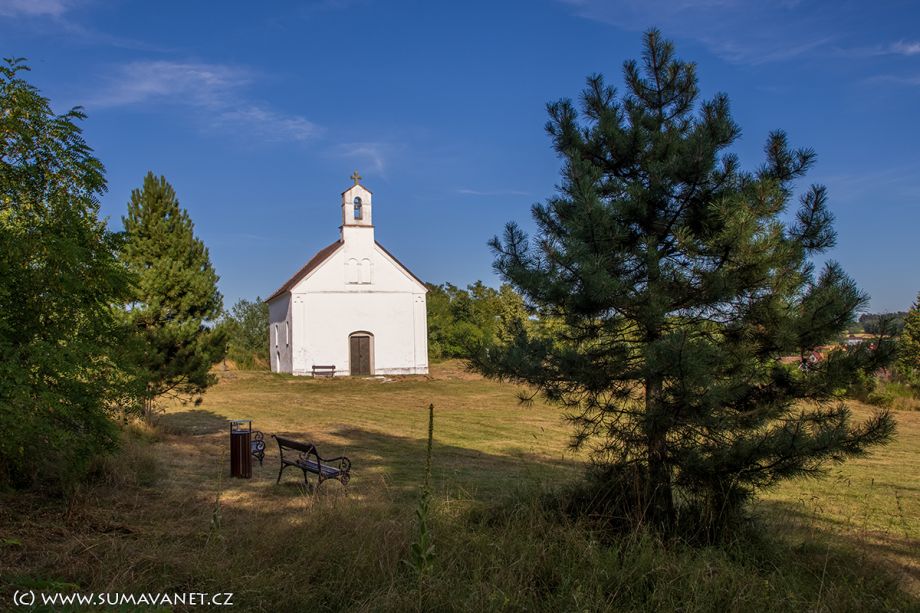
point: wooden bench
(323, 371)
(309, 461)
(257, 446)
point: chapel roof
(321, 256)
(357, 185)
(324, 254)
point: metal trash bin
(240, 448)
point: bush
(134, 465)
(247, 334)
(862, 387)
(893, 395)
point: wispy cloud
(271, 125)
(207, 85)
(739, 31)
(33, 8)
(896, 79)
(56, 19)
(216, 91)
(754, 54)
(493, 192)
(906, 47)
(900, 184)
(372, 155)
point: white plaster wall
(280, 335)
(359, 246)
(385, 301)
(391, 317)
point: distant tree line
(460, 320)
(873, 323)
(246, 327)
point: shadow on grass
(194, 422)
(277, 548)
(892, 548)
(456, 471)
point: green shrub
(246, 327)
(882, 397)
(893, 395)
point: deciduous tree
(247, 333)
(60, 282)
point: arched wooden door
(360, 353)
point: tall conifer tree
(175, 299)
(674, 287)
(909, 345)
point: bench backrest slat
(286, 443)
(324, 370)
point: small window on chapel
(357, 207)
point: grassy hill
(164, 516)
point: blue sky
(257, 113)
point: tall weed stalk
(421, 553)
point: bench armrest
(344, 464)
(311, 449)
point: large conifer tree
(674, 286)
(175, 299)
(909, 345)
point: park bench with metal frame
(309, 461)
(323, 370)
(257, 446)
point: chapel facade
(353, 305)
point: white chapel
(353, 306)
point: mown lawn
(484, 439)
(164, 515)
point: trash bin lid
(236, 425)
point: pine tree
(909, 345)
(672, 287)
(175, 296)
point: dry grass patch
(164, 516)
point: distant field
(165, 514)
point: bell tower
(356, 205)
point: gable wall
(359, 249)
